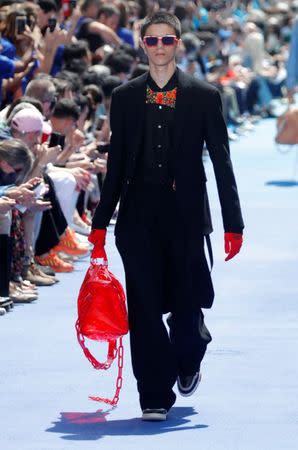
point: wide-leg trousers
(157, 257)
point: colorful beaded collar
(166, 98)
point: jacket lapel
(139, 106)
(182, 107)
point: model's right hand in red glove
(98, 239)
(233, 243)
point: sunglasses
(152, 41)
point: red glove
(233, 242)
(98, 239)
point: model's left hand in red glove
(233, 242)
(98, 239)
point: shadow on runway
(75, 426)
(282, 183)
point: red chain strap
(112, 351)
(119, 381)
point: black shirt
(94, 40)
(157, 164)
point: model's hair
(161, 17)
(15, 152)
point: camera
(20, 24)
(73, 4)
(52, 22)
(57, 139)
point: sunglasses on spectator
(167, 40)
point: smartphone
(73, 4)
(100, 121)
(52, 22)
(35, 186)
(20, 24)
(57, 139)
(103, 148)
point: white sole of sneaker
(154, 416)
(192, 389)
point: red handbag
(102, 316)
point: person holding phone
(47, 11)
(164, 213)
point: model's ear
(141, 44)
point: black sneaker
(154, 415)
(188, 384)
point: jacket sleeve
(115, 168)
(217, 142)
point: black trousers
(53, 223)
(155, 250)
(5, 264)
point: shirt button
(158, 126)
(160, 107)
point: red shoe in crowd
(55, 262)
(70, 245)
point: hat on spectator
(29, 120)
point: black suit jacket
(198, 118)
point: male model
(159, 123)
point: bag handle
(112, 351)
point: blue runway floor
(249, 392)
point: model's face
(160, 55)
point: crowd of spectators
(59, 63)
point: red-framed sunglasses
(152, 41)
